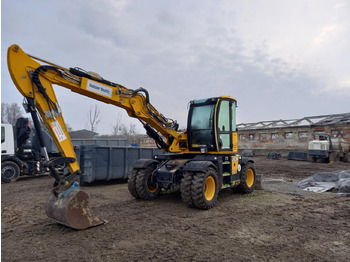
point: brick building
(283, 136)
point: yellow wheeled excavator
(199, 161)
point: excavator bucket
(72, 209)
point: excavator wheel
(247, 177)
(186, 186)
(132, 183)
(147, 189)
(205, 189)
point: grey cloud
(178, 52)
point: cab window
(2, 134)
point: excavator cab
(211, 125)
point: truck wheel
(9, 172)
(247, 179)
(325, 160)
(132, 183)
(205, 189)
(333, 157)
(146, 188)
(347, 157)
(186, 185)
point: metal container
(106, 163)
(101, 141)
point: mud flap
(72, 210)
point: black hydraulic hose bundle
(82, 73)
(41, 89)
(37, 126)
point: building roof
(82, 134)
(323, 120)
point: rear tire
(186, 186)
(205, 189)
(132, 183)
(247, 178)
(9, 172)
(146, 188)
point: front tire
(146, 187)
(132, 183)
(9, 172)
(205, 189)
(247, 178)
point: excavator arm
(35, 82)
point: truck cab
(328, 149)
(7, 140)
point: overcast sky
(279, 59)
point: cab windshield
(201, 126)
(202, 117)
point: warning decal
(58, 131)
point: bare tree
(117, 126)
(3, 112)
(94, 118)
(128, 130)
(10, 113)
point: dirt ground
(278, 223)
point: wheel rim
(8, 172)
(250, 177)
(209, 188)
(151, 187)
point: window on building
(251, 136)
(289, 135)
(303, 135)
(263, 136)
(274, 135)
(242, 137)
(335, 133)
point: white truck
(20, 152)
(329, 149)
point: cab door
(226, 125)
